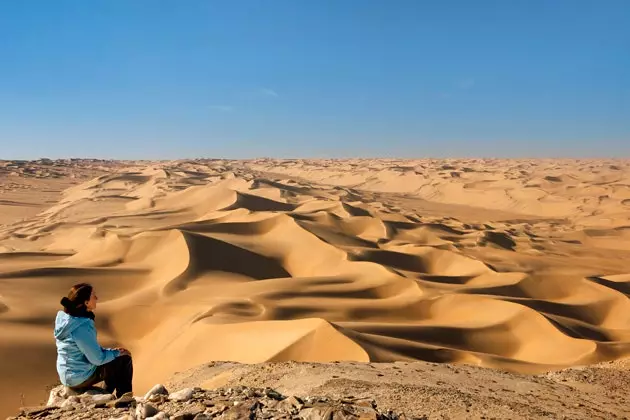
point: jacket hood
(65, 324)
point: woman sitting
(81, 361)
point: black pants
(117, 375)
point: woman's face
(91, 304)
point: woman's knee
(124, 360)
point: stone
(70, 401)
(55, 398)
(182, 395)
(365, 402)
(316, 413)
(58, 395)
(198, 404)
(217, 409)
(144, 410)
(345, 415)
(95, 391)
(291, 404)
(158, 389)
(361, 412)
(36, 411)
(158, 399)
(190, 412)
(95, 398)
(125, 401)
(271, 404)
(70, 407)
(239, 412)
(272, 393)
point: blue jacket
(78, 351)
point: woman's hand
(123, 351)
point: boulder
(58, 395)
(144, 410)
(62, 396)
(199, 404)
(158, 389)
(182, 395)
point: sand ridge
(588, 192)
(255, 261)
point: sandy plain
(519, 266)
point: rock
(272, 393)
(58, 395)
(72, 400)
(190, 412)
(216, 409)
(36, 411)
(157, 399)
(125, 401)
(364, 402)
(361, 412)
(98, 399)
(159, 416)
(181, 395)
(158, 389)
(239, 412)
(94, 391)
(270, 404)
(55, 398)
(291, 404)
(316, 413)
(250, 393)
(144, 410)
(70, 407)
(197, 404)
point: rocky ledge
(199, 404)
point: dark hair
(74, 303)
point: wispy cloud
(268, 92)
(224, 108)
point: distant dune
(516, 265)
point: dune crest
(196, 261)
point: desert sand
(516, 265)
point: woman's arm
(85, 337)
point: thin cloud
(224, 108)
(269, 92)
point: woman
(81, 361)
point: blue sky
(314, 78)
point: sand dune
(587, 192)
(508, 264)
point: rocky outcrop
(199, 404)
